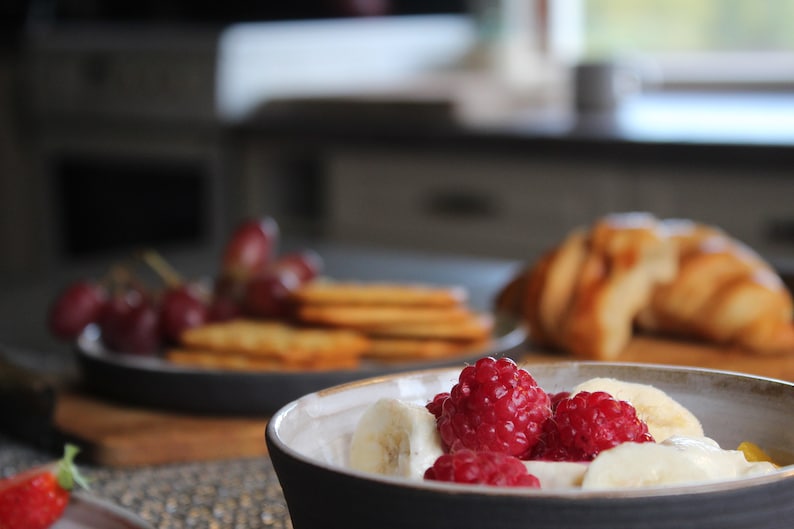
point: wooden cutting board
(653, 350)
(119, 436)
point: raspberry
(435, 405)
(495, 406)
(557, 397)
(588, 423)
(485, 468)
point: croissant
(631, 271)
(723, 293)
(584, 295)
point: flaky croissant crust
(631, 271)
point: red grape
(77, 306)
(117, 306)
(250, 248)
(307, 264)
(181, 308)
(267, 294)
(137, 331)
(229, 287)
(227, 296)
(224, 308)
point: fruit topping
(495, 406)
(557, 397)
(436, 405)
(484, 468)
(585, 424)
(754, 453)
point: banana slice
(664, 415)
(395, 438)
(557, 475)
(677, 460)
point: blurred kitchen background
(480, 127)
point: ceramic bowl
(309, 438)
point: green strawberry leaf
(68, 474)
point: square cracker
(474, 327)
(368, 316)
(223, 360)
(399, 349)
(275, 340)
(379, 293)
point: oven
(127, 147)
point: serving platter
(155, 382)
(87, 512)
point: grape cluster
(253, 281)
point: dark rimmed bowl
(308, 441)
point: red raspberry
(588, 423)
(435, 405)
(485, 468)
(495, 406)
(557, 397)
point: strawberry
(36, 498)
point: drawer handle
(460, 204)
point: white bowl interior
(732, 408)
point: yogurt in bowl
(310, 444)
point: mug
(600, 86)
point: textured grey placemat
(238, 494)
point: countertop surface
(754, 127)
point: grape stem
(119, 278)
(168, 273)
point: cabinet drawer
(459, 203)
(756, 208)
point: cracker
(264, 339)
(473, 327)
(361, 317)
(238, 362)
(379, 293)
(393, 349)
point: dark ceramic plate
(154, 382)
(309, 439)
(86, 512)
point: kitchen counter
(721, 127)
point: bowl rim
(781, 474)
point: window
(697, 42)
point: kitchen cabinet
(465, 203)
(755, 206)
(517, 207)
